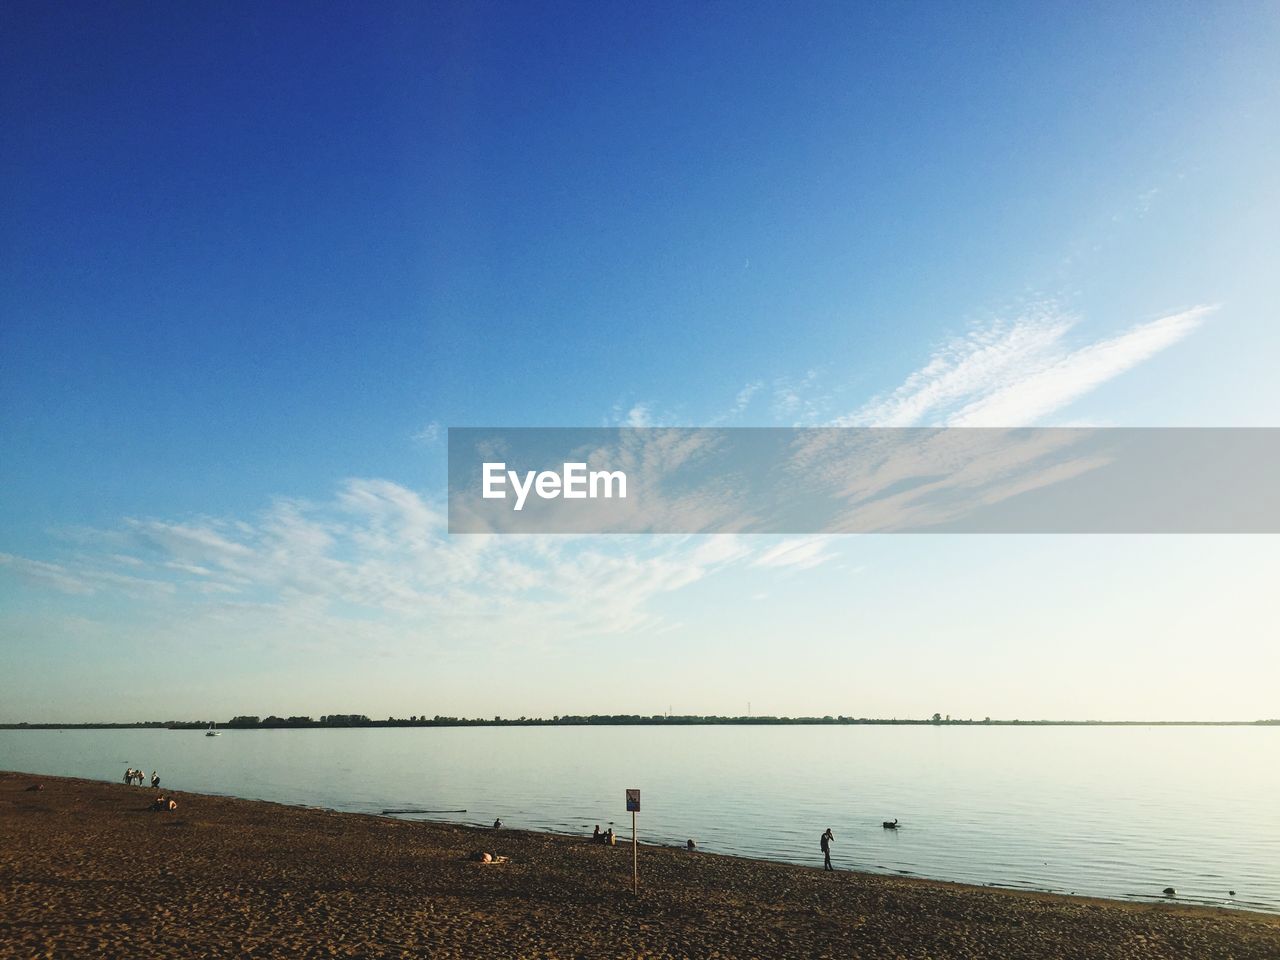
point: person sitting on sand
(497, 824)
(609, 838)
(690, 846)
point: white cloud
(46, 574)
(374, 563)
(429, 434)
(799, 401)
(85, 577)
(1040, 392)
(743, 399)
(801, 553)
(1013, 374)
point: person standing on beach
(825, 843)
(155, 779)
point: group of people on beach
(130, 775)
(607, 837)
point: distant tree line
(608, 720)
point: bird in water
(890, 825)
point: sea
(1119, 812)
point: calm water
(1118, 812)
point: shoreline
(690, 721)
(864, 868)
(85, 863)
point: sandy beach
(87, 869)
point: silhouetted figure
(690, 846)
(825, 843)
(596, 835)
(497, 824)
(890, 826)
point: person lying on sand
(483, 857)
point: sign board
(633, 801)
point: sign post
(633, 805)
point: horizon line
(339, 721)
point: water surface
(1105, 811)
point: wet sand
(86, 869)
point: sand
(86, 869)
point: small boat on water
(212, 732)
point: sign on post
(633, 807)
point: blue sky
(256, 260)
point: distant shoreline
(349, 722)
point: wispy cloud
(799, 553)
(638, 416)
(739, 406)
(743, 399)
(799, 401)
(41, 573)
(429, 434)
(1015, 373)
(1039, 392)
(373, 563)
(85, 576)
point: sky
(256, 260)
